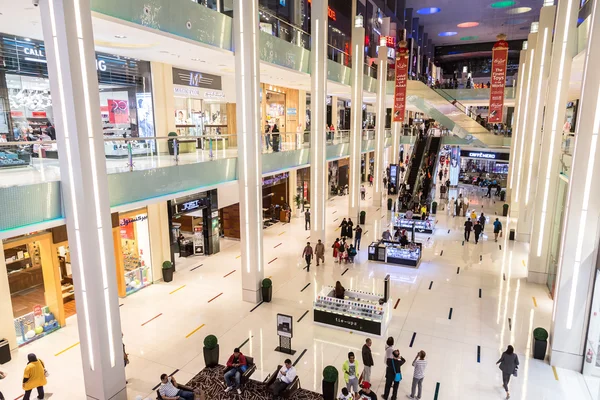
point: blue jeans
(357, 243)
(185, 395)
(268, 141)
(231, 374)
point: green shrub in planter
(540, 343)
(330, 382)
(434, 207)
(505, 210)
(267, 290)
(540, 334)
(211, 351)
(167, 271)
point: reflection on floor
(70, 308)
(24, 301)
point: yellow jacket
(34, 373)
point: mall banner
(498, 80)
(401, 82)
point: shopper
(477, 229)
(389, 349)
(339, 291)
(307, 220)
(180, 239)
(367, 358)
(169, 389)
(357, 237)
(125, 357)
(497, 229)
(350, 369)
(268, 130)
(393, 375)
(285, 376)
(423, 212)
(482, 221)
(386, 235)
(468, 227)
(2, 376)
(351, 253)
(308, 255)
(363, 192)
(345, 395)
(344, 228)
(34, 377)
(336, 248)
(320, 252)
(509, 363)
(365, 393)
(419, 363)
(350, 228)
(50, 131)
(237, 363)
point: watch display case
(421, 226)
(396, 254)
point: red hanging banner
(498, 80)
(401, 82)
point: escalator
(415, 164)
(433, 149)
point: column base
(251, 296)
(537, 277)
(122, 395)
(523, 237)
(566, 360)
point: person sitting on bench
(169, 389)
(286, 375)
(237, 363)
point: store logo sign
(190, 205)
(137, 218)
(489, 156)
(187, 91)
(34, 52)
(186, 77)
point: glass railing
(455, 103)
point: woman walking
(509, 363)
(34, 377)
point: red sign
(498, 81)
(118, 111)
(390, 41)
(330, 12)
(400, 84)
(16, 114)
(38, 114)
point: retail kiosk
(393, 253)
(421, 226)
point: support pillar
(163, 103)
(541, 65)
(292, 188)
(358, 66)
(520, 128)
(247, 78)
(396, 133)
(160, 241)
(318, 102)
(69, 42)
(564, 49)
(518, 108)
(579, 248)
(378, 193)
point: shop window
(135, 250)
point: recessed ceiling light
(429, 10)
(446, 33)
(121, 36)
(519, 10)
(503, 4)
(468, 25)
(469, 38)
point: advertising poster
(400, 83)
(118, 111)
(454, 165)
(498, 79)
(284, 325)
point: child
(351, 254)
(345, 395)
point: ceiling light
(519, 10)
(468, 25)
(121, 36)
(428, 10)
(503, 4)
(446, 33)
(469, 38)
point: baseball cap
(366, 385)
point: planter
(211, 356)
(539, 349)
(329, 390)
(390, 203)
(434, 207)
(267, 294)
(505, 210)
(171, 147)
(167, 274)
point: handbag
(398, 375)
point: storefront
(275, 198)
(280, 107)
(26, 101)
(491, 165)
(194, 225)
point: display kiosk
(393, 253)
(358, 311)
(421, 226)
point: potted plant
(330, 382)
(167, 271)
(211, 351)
(434, 207)
(171, 142)
(540, 343)
(363, 217)
(390, 203)
(267, 290)
(298, 202)
(505, 210)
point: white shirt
(167, 389)
(289, 376)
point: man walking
(308, 255)
(468, 227)
(363, 192)
(357, 237)
(497, 229)
(367, 357)
(477, 229)
(307, 220)
(320, 252)
(482, 221)
(419, 363)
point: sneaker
(409, 396)
(239, 391)
(229, 389)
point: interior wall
(163, 99)
(228, 194)
(230, 219)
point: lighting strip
(72, 195)
(257, 149)
(557, 102)
(524, 123)
(535, 116)
(521, 83)
(315, 139)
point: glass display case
(357, 311)
(421, 226)
(14, 158)
(394, 253)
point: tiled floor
(504, 314)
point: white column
(520, 128)
(163, 103)
(564, 49)
(334, 113)
(579, 247)
(160, 241)
(541, 65)
(378, 193)
(247, 78)
(69, 42)
(518, 107)
(358, 66)
(292, 189)
(395, 149)
(318, 101)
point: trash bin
(512, 235)
(363, 216)
(4, 351)
(276, 139)
(434, 207)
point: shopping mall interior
(299, 199)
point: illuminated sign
(485, 155)
(489, 156)
(330, 12)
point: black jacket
(367, 356)
(389, 371)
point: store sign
(118, 111)
(196, 79)
(489, 156)
(498, 80)
(38, 114)
(137, 218)
(214, 95)
(36, 54)
(187, 91)
(484, 155)
(401, 82)
(347, 322)
(190, 205)
(292, 111)
(330, 12)
(275, 179)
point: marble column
(379, 191)
(247, 77)
(358, 66)
(318, 101)
(160, 241)
(518, 107)
(564, 49)
(69, 44)
(163, 103)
